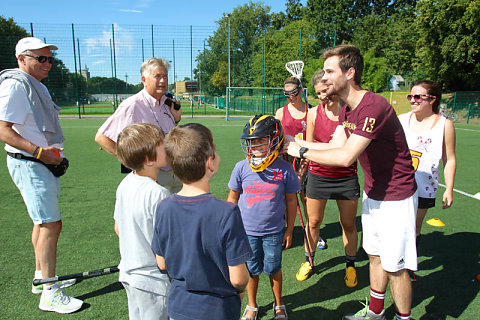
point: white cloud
(143, 3)
(98, 62)
(130, 11)
(124, 41)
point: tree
(10, 33)
(448, 45)
(283, 46)
(247, 22)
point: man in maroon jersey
(370, 131)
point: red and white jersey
(426, 150)
(293, 126)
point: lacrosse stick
(88, 274)
(307, 243)
(296, 69)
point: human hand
(51, 155)
(287, 240)
(447, 199)
(294, 149)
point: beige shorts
(389, 232)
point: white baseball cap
(31, 43)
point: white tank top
(426, 150)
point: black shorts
(345, 188)
(426, 203)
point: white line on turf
(464, 129)
(475, 196)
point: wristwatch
(302, 152)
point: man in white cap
(33, 139)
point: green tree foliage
(247, 22)
(448, 42)
(10, 33)
(283, 46)
(375, 72)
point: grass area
(448, 258)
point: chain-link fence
(99, 65)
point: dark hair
(137, 143)
(188, 148)
(317, 77)
(349, 57)
(433, 88)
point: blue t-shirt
(199, 237)
(262, 198)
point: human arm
(161, 262)
(106, 143)
(449, 160)
(49, 155)
(291, 201)
(116, 228)
(340, 157)
(279, 114)
(233, 196)
(339, 139)
(239, 278)
(311, 116)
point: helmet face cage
(262, 126)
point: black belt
(23, 157)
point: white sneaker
(59, 302)
(321, 244)
(62, 284)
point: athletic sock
(402, 316)
(377, 299)
(38, 274)
(307, 258)
(350, 261)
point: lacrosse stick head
(295, 68)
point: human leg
(255, 267)
(347, 215)
(401, 289)
(421, 213)
(252, 288)
(276, 281)
(46, 247)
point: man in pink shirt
(146, 106)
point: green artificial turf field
(448, 257)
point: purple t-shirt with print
(386, 162)
(262, 198)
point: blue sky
(172, 19)
(158, 12)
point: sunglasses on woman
(41, 59)
(419, 97)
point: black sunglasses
(41, 59)
(419, 97)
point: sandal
(248, 308)
(279, 316)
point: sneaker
(59, 302)
(62, 284)
(351, 277)
(365, 313)
(304, 271)
(321, 244)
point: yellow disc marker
(436, 222)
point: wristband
(39, 153)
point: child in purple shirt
(265, 188)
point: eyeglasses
(419, 97)
(41, 59)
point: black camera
(169, 101)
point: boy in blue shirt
(200, 240)
(265, 188)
